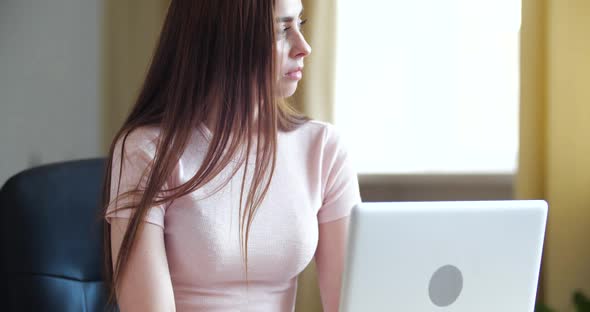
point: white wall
(49, 82)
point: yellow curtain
(554, 161)
(130, 31)
(315, 95)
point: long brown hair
(214, 62)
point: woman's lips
(295, 74)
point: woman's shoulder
(321, 130)
(317, 127)
(144, 138)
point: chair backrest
(51, 239)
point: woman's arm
(330, 261)
(146, 284)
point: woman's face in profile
(291, 47)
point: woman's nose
(300, 47)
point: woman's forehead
(288, 8)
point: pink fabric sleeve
(339, 178)
(137, 157)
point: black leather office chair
(51, 239)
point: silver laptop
(444, 256)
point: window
(429, 86)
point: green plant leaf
(581, 302)
(539, 307)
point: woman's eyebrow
(288, 19)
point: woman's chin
(287, 89)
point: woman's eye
(302, 22)
(285, 30)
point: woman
(217, 194)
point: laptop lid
(444, 256)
